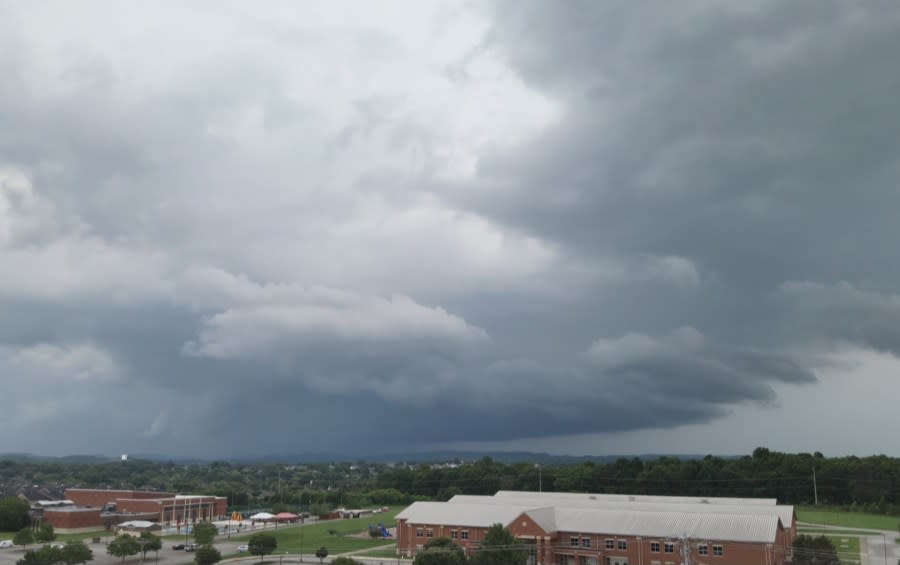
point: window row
(717, 550)
(579, 542)
(429, 533)
(668, 547)
(616, 544)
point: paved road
(167, 555)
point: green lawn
(317, 535)
(390, 552)
(86, 536)
(847, 548)
(850, 519)
(833, 532)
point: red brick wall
(71, 520)
(100, 497)
(637, 552)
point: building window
(655, 563)
(654, 547)
(585, 542)
(464, 534)
(420, 533)
(718, 550)
(454, 534)
(562, 560)
(610, 544)
(623, 545)
(703, 549)
(669, 547)
(429, 533)
(573, 542)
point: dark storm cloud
(597, 223)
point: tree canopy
(814, 550)
(207, 555)
(75, 552)
(24, 536)
(13, 514)
(440, 551)
(262, 544)
(499, 547)
(45, 533)
(44, 556)
(204, 532)
(322, 553)
(123, 546)
(149, 542)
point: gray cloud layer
(434, 223)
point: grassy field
(833, 532)
(847, 548)
(319, 535)
(848, 519)
(390, 552)
(86, 536)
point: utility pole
(815, 487)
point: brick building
(162, 507)
(597, 529)
(72, 519)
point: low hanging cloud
(538, 218)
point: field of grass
(836, 532)
(847, 548)
(849, 519)
(315, 536)
(86, 536)
(390, 552)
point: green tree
(123, 546)
(322, 553)
(24, 536)
(499, 547)
(440, 551)
(204, 533)
(149, 542)
(45, 533)
(262, 544)
(207, 555)
(44, 556)
(814, 550)
(75, 552)
(13, 514)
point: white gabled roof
(784, 512)
(473, 515)
(668, 524)
(641, 498)
(652, 523)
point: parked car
(190, 547)
(178, 546)
(243, 548)
(6, 543)
(57, 545)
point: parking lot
(166, 555)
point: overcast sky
(578, 227)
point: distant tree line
(864, 483)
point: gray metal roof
(661, 523)
(749, 523)
(474, 515)
(784, 512)
(642, 498)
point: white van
(6, 543)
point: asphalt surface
(167, 555)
